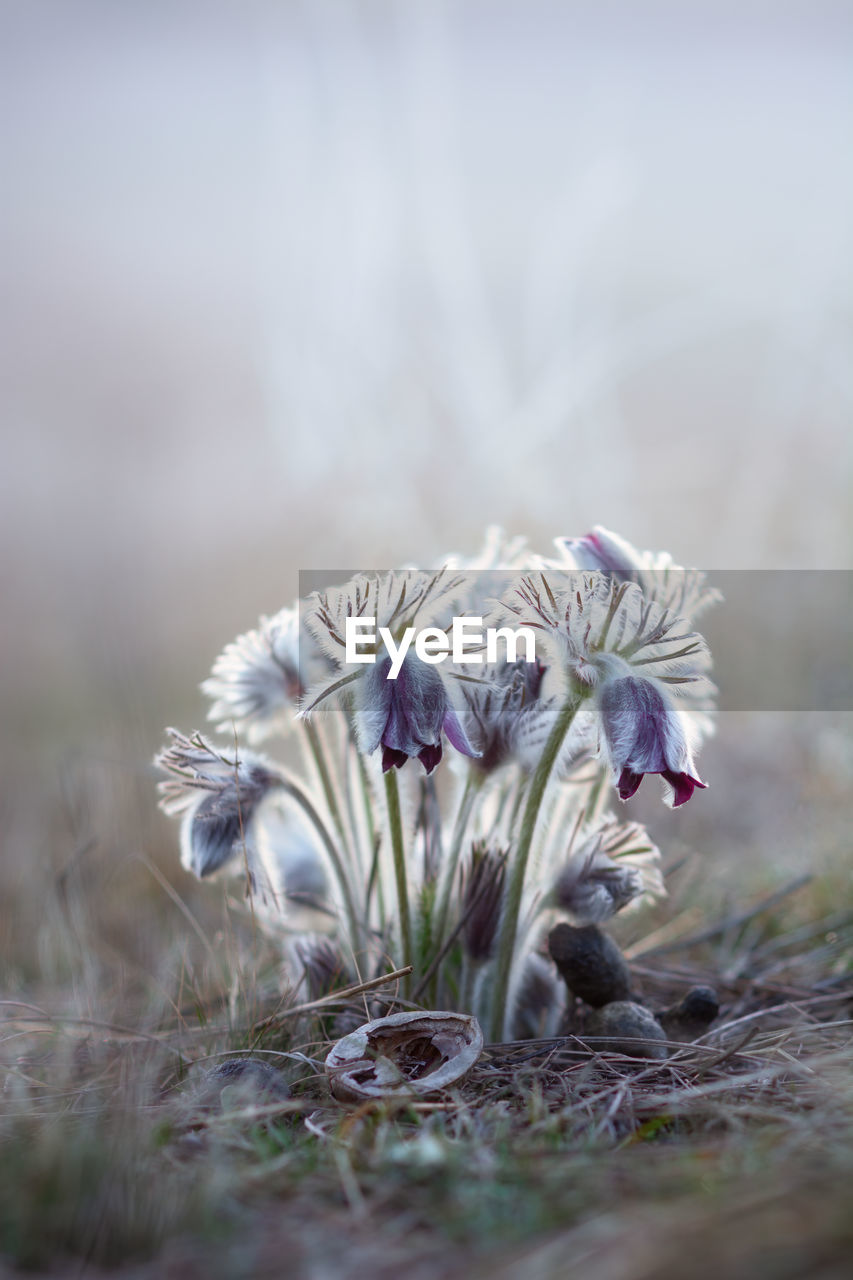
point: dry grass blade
(334, 997)
(735, 921)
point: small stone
(692, 1016)
(590, 963)
(627, 1026)
(245, 1079)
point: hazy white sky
(322, 283)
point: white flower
(261, 676)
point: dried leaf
(404, 1055)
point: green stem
(466, 985)
(349, 754)
(473, 785)
(392, 796)
(597, 796)
(315, 743)
(373, 842)
(368, 799)
(515, 889)
(516, 804)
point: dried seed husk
(406, 1055)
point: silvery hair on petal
(684, 591)
(644, 733)
(397, 600)
(499, 707)
(611, 868)
(259, 677)
(218, 795)
(607, 637)
(540, 1000)
(482, 897)
(210, 836)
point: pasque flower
(633, 658)
(500, 708)
(610, 867)
(452, 879)
(406, 715)
(644, 733)
(218, 796)
(483, 883)
(661, 580)
(260, 677)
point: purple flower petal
(392, 759)
(644, 734)
(628, 783)
(456, 735)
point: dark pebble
(590, 963)
(627, 1026)
(692, 1016)
(259, 1081)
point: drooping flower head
(400, 703)
(643, 733)
(407, 716)
(606, 870)
(218, 796)
(645, 668)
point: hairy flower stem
(392, 796)
(516, 804)
(297, 793)
(597, 798)
(473, 786)
(515, 888)
(373, 880)
(318, 755)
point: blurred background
(293, 285)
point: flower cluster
(462, 878)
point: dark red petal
(429, 756)
(392, 758)
(682, 784)
(628, 783)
